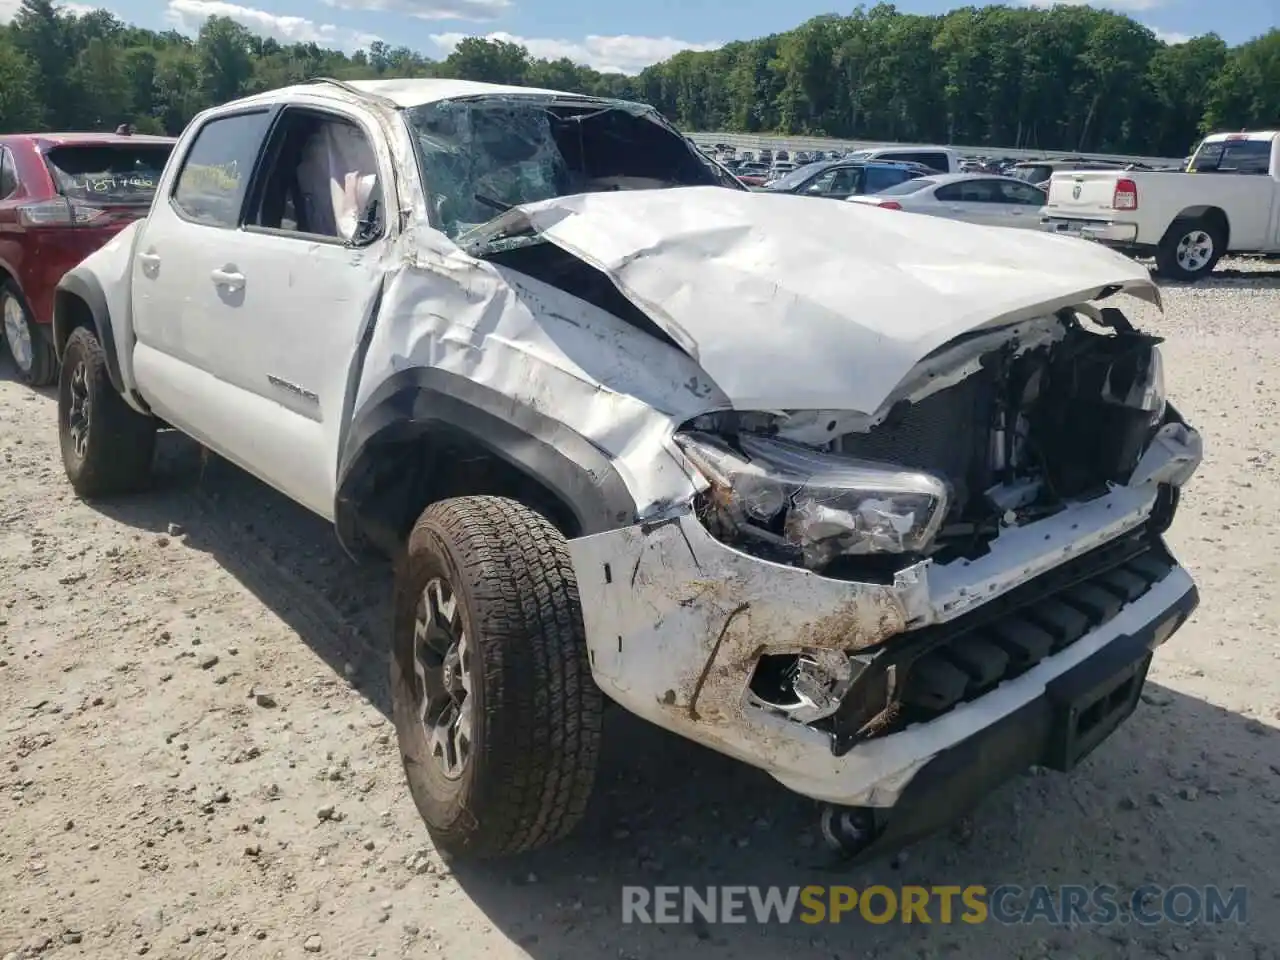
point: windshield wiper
(495, 204)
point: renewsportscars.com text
(1006, 904)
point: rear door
(191, 232)
(975, 201)
(1018, 204)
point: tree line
(1063, 78)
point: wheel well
(396, 479)
(70, 311)
(1215, 215)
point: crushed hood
(801, 303)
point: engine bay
(1035, 424)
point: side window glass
(846, 182)
(978, 191)
(938, 161)
(881, 178)
(321, 180)
(949, 193)
(8, 178)
(216, 170)
(821, 184)
(1021, 193)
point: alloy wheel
(79, 409)
(1195, 250)
(17, 334)
(442, 665)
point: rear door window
(1232, 156)
(881, 178)
(970, 191)
(216, 171)
(108, 172)
(1023, 194)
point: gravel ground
(198, 764)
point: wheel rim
(78, 409)
(17, 334)
(1194, 250)
(442, 666)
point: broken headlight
(813, 504)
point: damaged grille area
(1017, 430)
(932, 670)
(945, 433)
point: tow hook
(847, 830)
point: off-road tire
(535, 716)
(121, 442)
(43, 367)
(1167, 252)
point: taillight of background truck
(1126, 195)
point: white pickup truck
(881, 517)
(1227, 201)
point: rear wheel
(31, 350)
(496, 712)
(107, 446)
(1191, 248)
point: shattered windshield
(482, 156)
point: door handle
(150, 259)
(229, 277)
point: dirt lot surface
(197, 761)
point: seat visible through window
(324, 180)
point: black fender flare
(416, 401)
(87, 288)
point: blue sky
(614, 35)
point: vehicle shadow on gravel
(10, 373)
(1227, 280)
(667, 812)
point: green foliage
(1056, 78)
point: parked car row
(882, 518)
(1187, 223)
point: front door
(299, 285)
(262, 276)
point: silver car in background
(973, 197)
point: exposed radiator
(946, 434)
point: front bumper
(1074, 712)
(677, 621)
(1104, 231)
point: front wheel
(31, 350)
(1190, 249)
(107, 446)
(496, 712)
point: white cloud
(432, 9)
(1171, 36)
(621, 54)
(189, 15)
(1127, 6)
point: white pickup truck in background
(1227, 201)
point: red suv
(62, 196)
